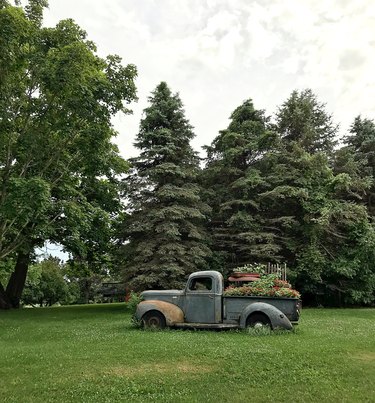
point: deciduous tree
(45, 285)
(56, 101)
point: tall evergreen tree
(326, 238)
(234, 176)
(164, 232)
(358, 157)
(303, 120)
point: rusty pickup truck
(202, 305)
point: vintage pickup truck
(202, 305)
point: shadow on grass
(252, 332)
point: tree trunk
(4, 300)
(86, 291)
(17, 279)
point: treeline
(278, 189)
(52, 281)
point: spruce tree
(164, 232)
(303, 120)
(234, 177)
(326, 238)
(360, 145)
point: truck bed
(233, 306)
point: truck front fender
(172, 313)
(276, 317)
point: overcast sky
(217, 53)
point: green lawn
(92, 354)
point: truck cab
(203, 297)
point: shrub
(132, 301)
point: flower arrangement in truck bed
(268, 285)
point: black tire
(258, 320)
(153, 320)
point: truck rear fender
(172, 313)
(276, 317)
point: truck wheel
(258, 320)
(153, 320)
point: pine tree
(234, 177)
(303, 120)
(360, 145)
(164, 232)
(326, 238)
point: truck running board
(206, 325)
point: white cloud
(218, 53)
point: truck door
(200, 300)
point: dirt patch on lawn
(365, 357)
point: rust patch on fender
(173, 314)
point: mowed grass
(92, 354)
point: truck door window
(201, 284)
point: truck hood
(172, 296)
(163, 295)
